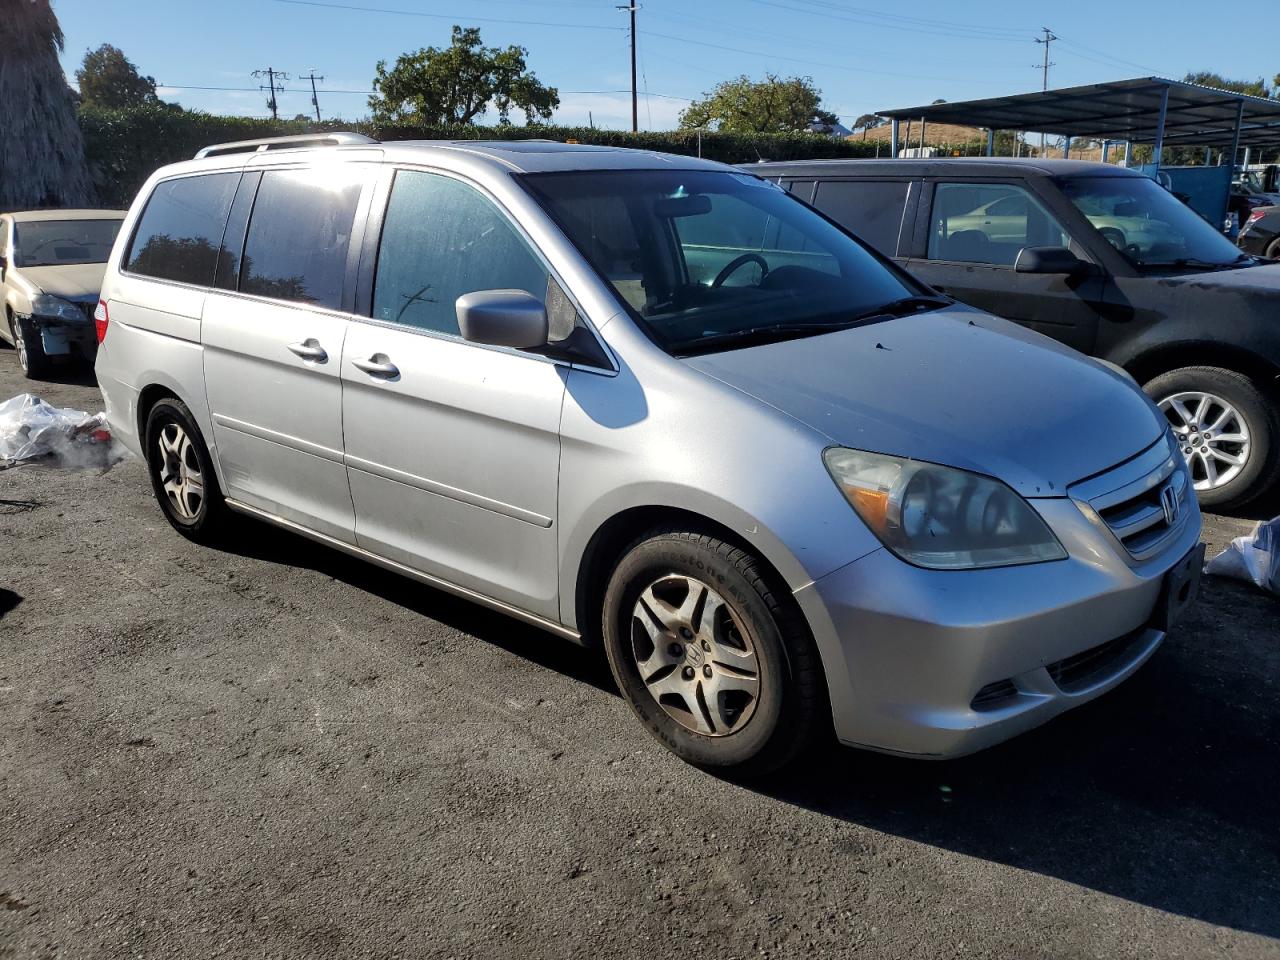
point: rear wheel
(714, 660)
(1226, 429)
(32, 359)
(182, 474)
(1273, 251)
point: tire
(31, 356)
(1243, 410)
(182, 475)
(1273, 251)
(729, 622)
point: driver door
(974, 231)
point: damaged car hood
(71, 281)
(955, 387)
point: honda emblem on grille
(1169, 503)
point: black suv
(1098, 257)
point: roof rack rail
(335, 139)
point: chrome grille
(1143, 502)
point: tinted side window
(871, 209)
(180, 231)
(299, 234)
(441, 239)
(989, 223)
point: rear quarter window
(179, 234)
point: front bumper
(60, 337)
(907, 650)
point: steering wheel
(737, 262)
(1114, 236)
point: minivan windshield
(710, 260)
(1151, 227)
(45, 243)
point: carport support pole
(1235, 136)
(1106, 147)
(1128, 153)
(1159, 145)
(1066, 148)
(991, 143)
(893, 139)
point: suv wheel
(182, 473)
(32, 359)
(1226, 429)
(716, 662)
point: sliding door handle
(379, 365)
(309, 349)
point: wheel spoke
(1202, 409)
(1180, 408)
(1210, 469)
(1233, 459)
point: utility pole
(1048, 39)
(272, 88)
(635, 109)
(315, 100)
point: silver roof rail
(336, 139)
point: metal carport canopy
(1121, 110)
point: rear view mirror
(1048, 260)
(694, 205)
(502, 318)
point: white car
(51, 267)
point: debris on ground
(1255, 557)
(32, 430)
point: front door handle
(309, 349)
(379, 365)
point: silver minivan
(655, 403)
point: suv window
(872, 209)
(441, 239)
(180, 231)
(299, 234)
(989, 223)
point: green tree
(1254, 88)
(42, 163)
(457, 84)
(865, 123)
(771, 105)
(108, 79)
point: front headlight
(940, 517)
(46, 305)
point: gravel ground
(275, 751)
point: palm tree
(41, 150)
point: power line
(897, 22)
(272, 87)
(447, 16)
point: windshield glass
(1148, 224)
(713, 260)
(43, 243)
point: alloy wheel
(179, 469)
(19, 343)
(1212, 435)
(694, 656)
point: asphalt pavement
(272, 750)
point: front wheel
(714, 660)
(1226, 429)
(182, 473)
(32, 359)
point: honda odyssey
(655, 403)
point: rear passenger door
(453, 448)
(968, 241)
(874, 210)
(273, 332)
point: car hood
(955, 387)
(73, 281)
(1259, 278)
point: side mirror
(502, 318)
(1049, 260)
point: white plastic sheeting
(1255, 557)
(31, 429)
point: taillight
(101, 319)
(1256, 215)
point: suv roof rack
(335, 139)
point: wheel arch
(1162, 358)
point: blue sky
(862, 54)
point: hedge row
(123, 147)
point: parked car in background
(653, 402)
(1261, 233)
(1102, 259)
(51, 266)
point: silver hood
(954, 387)
(71, 281)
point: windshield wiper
(902, 308)
(753, 336)
(1183, 263)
